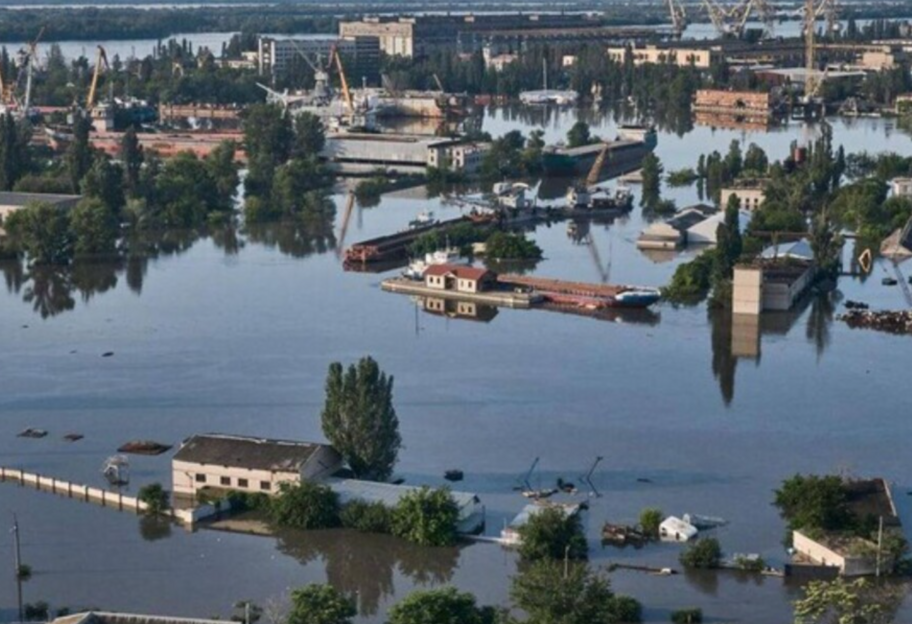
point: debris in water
(32, 433)
(107, 354)
(73, 437)
(453, 475)
(644, 480)
(894, 322)
(144, 447)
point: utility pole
(879, 543)
(17, 553)
(566, 561)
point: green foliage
(104, 182)
(43, 232)
(320, 604)
(650, 519)
(692, 280)
(438, 606)
(579, 135)
(426, 517)
(359, 419)
(131, 155)
(652, 180)
(155, 496)
(755, 161)
(750, 565)
(24, 573)
(682, 177)
(369, 191)
(510, 246)
(550, 593)
(552, 534)
(304, 505)
(248, 501)
(511, 156)
(687, 616)
(814, 503)
(14, 150)
(366, 517)
(36, 611)
(79, 154)
(461, 235)
(703, 554)
(94, 228)
(728, 239)
(309, 136)
(627, 609)
(846, 602)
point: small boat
(416, 268)
(889, 281)
(453, 475)
(73, 437)
(637, 298)
(425, 217)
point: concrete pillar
(747, 290)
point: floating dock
(505, 297)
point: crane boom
(596, 170)
(101, 58)
(345, 90)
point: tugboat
(416, 268)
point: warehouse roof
(247, 452)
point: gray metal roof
(246, 452)
(22, 199)
(106, 617)
(386, 493)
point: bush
(320, 604)
(305, 505)
(750, 564)
(366, 517)
(37, 611)
(704, 554)
(155, 496)
(552, 534)
(508, 246)
(687, 616)
(438, 606)
(626, 609)
(247, 501)
(426, 517)
(682, 177)
(650, 519)
(692, 280)
(814, 502)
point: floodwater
(234, 332)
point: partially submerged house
(674, 529)
(694, 225)
(775, 280)
(510, 534)
(249, 464)
(898, 245)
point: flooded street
(236, 336)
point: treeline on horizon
(67, 20)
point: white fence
(76, 491)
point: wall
(184, 478)
(781, 296)
(719, 99)
(750, 198)
(747, 291)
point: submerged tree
(359, 418)
(652, 180)
(320, 604)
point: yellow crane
(101, 59)
(346, 93)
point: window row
(226, 482)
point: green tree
(79, 154)
(94, 228)
(359, 419)
(846, 602)
(439, 606)
(733, 160)
(320, 604)
(14, 150)
(579, 134)
(687, 616)
(104, 182)
(155, 496)
(267, 140)
(704, 554)
(43, 232)
(221, 165)
(305, 505)
(131, 155)
(755, 160)
(814, 502)
(550, 592)
(426, 517)
(652, 180)
(510, 246)
(826, 243)
(650, 519)
(309, 136)
(728, 238)
(552, 534)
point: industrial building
(699, 57)
(416, 36)
(750, 193)
(361, 54)
(356, 153)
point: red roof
(457, 270)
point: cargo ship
(624, 154)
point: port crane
(101, 61)
(728, 18)
(26, 60)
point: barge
(623, 155)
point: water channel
(233, 333)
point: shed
(674, 529)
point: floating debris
(539, 494)
(453, 475)
(894, 322)
(32, 433)
(644, 480)
(622, 535)
(144, 447)
(704, 523)
(117, 470)
(73, 437)
(889, 281)
(565, 486)
(856, 305)
(107, 354)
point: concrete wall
(750, 199)
(818, 553)
(185, 475)
(747, 291)
(76, 491)
(781, 296)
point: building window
(200, 478)
(243, 483)
(265, 485)
(225, 480)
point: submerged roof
(386, 493)
(23, 199)
(247, 452)
(795, 250)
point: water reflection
(363, 565)
(298, 238)
(154, 528)
(724, 362)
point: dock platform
(505, 297)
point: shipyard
(411, 313)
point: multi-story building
(361, 54)
(701, 58)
